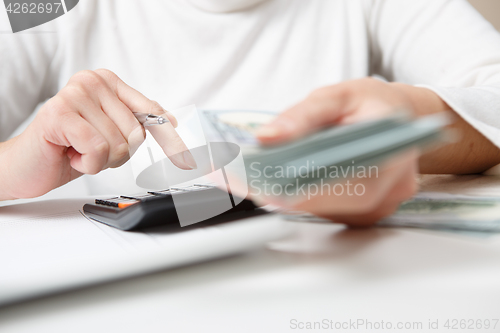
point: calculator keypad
(125, 201)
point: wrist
(423, 101)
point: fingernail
(280, 126)
(178, 161)
(189, 159)
(172, 119)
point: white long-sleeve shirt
(266, 57)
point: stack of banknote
(334, 154)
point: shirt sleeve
(25, 63)
(445, 46)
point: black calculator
(156, 208)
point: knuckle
(340, 91)
(73, 92)
(136, 136)
(343, 91)
(121, 156)
(57, 106)
(321, 92)
(155, 108)
(122, 151)
(98, 157)
(106, 74)
(102, 152)
(87, 80)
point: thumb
(322, 108)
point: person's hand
(345, 103)
(87, 127)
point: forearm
(472, 153)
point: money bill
(448, 212)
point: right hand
(345, 103)
(87, 127)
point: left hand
(346, 103)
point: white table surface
(323, 272)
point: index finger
(173, 146)
(165, 134)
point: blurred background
(490, 9)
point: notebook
(50, 246)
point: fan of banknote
(330, 156)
